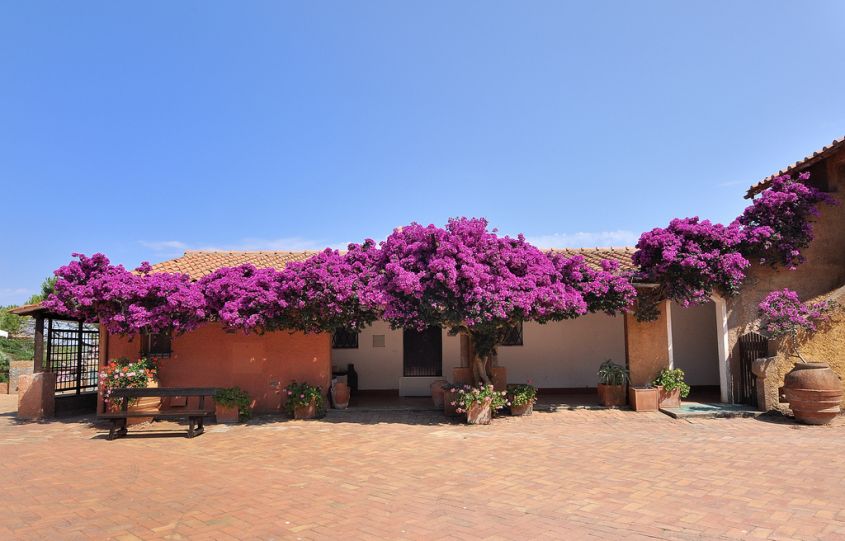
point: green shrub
(611, 373)
(520, 394)
(234, 397)
(671, 380)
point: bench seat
(195, 417)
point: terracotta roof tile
(594, 256)
(816, 156)
(197, 264)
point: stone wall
(821, 274)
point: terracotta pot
(643, 398)
(524, 409)
(340, 395)
(226, 414)
(612, 395)
(437, 392)
(448, 409)
(305, 412)
(814, 393)
(669, 399)
(480, 414)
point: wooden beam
(38, 358)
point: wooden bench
(195, 417)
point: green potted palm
(612, 381)
(671, 387)
(231, 404)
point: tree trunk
(479, 370)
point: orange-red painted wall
(259, 364)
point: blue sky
(144, 129)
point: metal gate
(752, 346)
(73, 354)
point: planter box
(448, 409)
(463, 375)
(643, 399)
(670, 399)
(226, 414)
(480, 414)
(305, 412)
(525, 409)
(612, 395)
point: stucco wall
(649, 347)
(565, 354)
(555, 355)
(823, 272)
(380, 368)
(694, 346)
(260, 365)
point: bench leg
(118, 429)
(195, 422)
(122, 431)
(113, 429)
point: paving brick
(582, 474)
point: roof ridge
(806, 161)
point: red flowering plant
(783, 315)
(125, 374)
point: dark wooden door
(752, 346)
(423, 352)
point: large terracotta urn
(437, 392)
(814, 393)
(340, 395)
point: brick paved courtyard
(565, 475)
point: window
(156, 344)
(513, 336)
(344, 339)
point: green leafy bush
(611, 373)
(301, 394)
(520, 394)
(671, 380)
(234, 397)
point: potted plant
(813, 389)
(643, 397)
(125, 374)
(304, 401)
(612, 380)
(521, 398)
(231, 404)
(480, 402)
(450, 399)
(671, 387)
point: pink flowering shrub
(125, 374)
(94, 290)
(783, 315)
(778, 223)
(244, 297)
(302, 394)
(692, 258)
(468, 396)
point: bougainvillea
(330, 290)
(461, 277)
(691, 258)
(783, 315)
(244, 297)
(468, 279)
(94, 290)
(778, 223)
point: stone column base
(37, 396)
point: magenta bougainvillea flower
(692, 258)
(784, 315)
